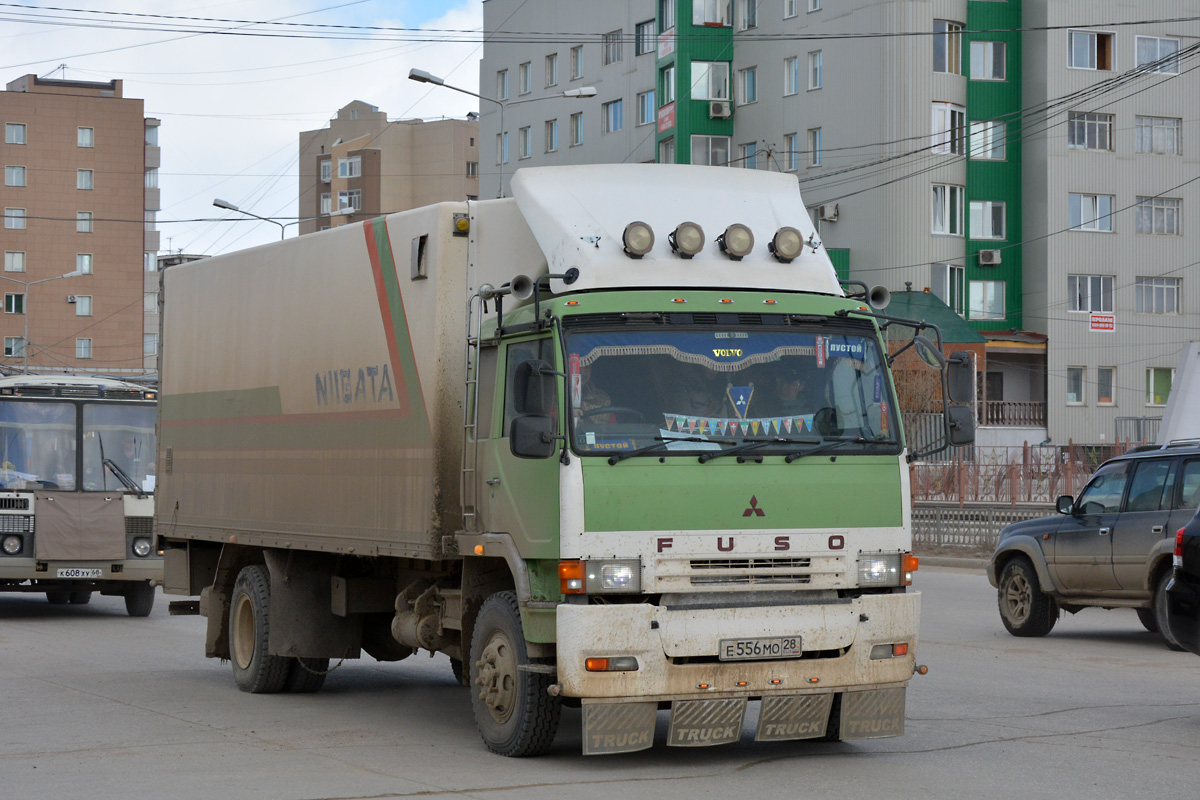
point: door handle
(492, 481)
(1157, 529)
(1105, 531)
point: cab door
(1083, 543)
(1143, 523)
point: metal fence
(968, 529)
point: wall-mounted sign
(666, 118)
(1102, 323)
(666, 43)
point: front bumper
(124, 571)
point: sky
(232, 106)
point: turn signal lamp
(881, 651)
(612, 664)
(687, 239)
(908, 565)
(786, 244)
(570, 577)
(736, 242)
(638, 239)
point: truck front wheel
(139, 599)
(254, 669)
(514, 713)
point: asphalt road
(94, 704)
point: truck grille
(16, 523)
(139, 526)
(682, 573)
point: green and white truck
(620, 442)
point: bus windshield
(123, 433)
(37, 444)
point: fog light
(141, 547)
(638, 239)
(12, 545)
(736, 242)
(786, 244)
(687, 239)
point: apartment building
(1026, 164)
(368, 165)
(80, 196)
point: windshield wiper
(833, 445)
(660, 443)
(123, 477)
(750, 444)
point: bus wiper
(750, 444)
(123, 477)
(833, 445)
(660, 443)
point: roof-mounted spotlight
(786, 244)
(638, 239)
(736, 242)
(687, 239)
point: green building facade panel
(693, 43)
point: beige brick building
(374, 166)
(80, 194)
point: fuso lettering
(664, 544)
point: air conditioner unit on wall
(720, 109)
(989, 258)
(70, 298)
(828, 212)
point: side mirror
(960, 425)
(532, 437)
(929, 353)
(1064, 504)
(533, 389)
(960, 377)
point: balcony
(1013, 413)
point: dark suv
(1111, 547)
(1183, 594)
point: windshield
(37, 444)
(124, 434)
(713, 390)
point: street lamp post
(228, 206)
(27, 284)
(421, 76)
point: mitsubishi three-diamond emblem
(754, 509)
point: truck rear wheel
(1025, 609)
(254, 669)
(306, 675)
(139, 599)
(514, 713)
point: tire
(1160, 612)
(254, 670)
(514, 713)
(460, 672)
(58, 598)
(1025, 609)
(306, 675)
(1148, 618)
(139, 599)
(80, 598)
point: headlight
(12, 545)
(736, 242)
(786, 244)
(602, 576)
(687, 239)
(879, 569)
(141, 547)
(638, 239)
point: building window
(748, 155)
(14, 176)
(502, 85)
(150, 344)
(987, 300)
(577, 128)
(551, 135)
(1159, 135)
(525, 78)
(326, 203)
(1090, 293)
(83, 348)
(710, 12)
(988, 140)
(791, 151)
(1089, 131)
(151, 178)
(524, 142)
(83, 263)
(576, 62)
(668, 84)
(14, 261)
(815, 147)
(1091, 212)
(14, 133)
(1105, 381)
(791, 75)
(326, 170)
(644, 38)
(502, 148)
(472, 169)
(83, 305)
(949, 128)
(790, 8)
(814, 5)
(152, 135)
(947, 46)
(645, 104)
(816, 76)
(987, 61)
(947, 209)
(666, 151)
(710, 80)
(666, 15)
(14, 346)
(85, 177)
(712, 151)
(747, 14)
(83, 221)
(85, 137)
(150, 302)
(552, 69)
(612, 119)
(1157, 295)
(1158, 54)
(948, 283)
(1075, 384)
(1158, 385)
(14, 303)
(14, 219)
(1159, 215)
(748, 85)
(612, 47)
(987, 219)
(350, 167)
(351, 199)
(1090, 50)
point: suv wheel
(1025, 609)
(1160, 611)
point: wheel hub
(1018, 598)
(497, 679)
(242, 635)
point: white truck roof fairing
(1180, 420)
(578, 215)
